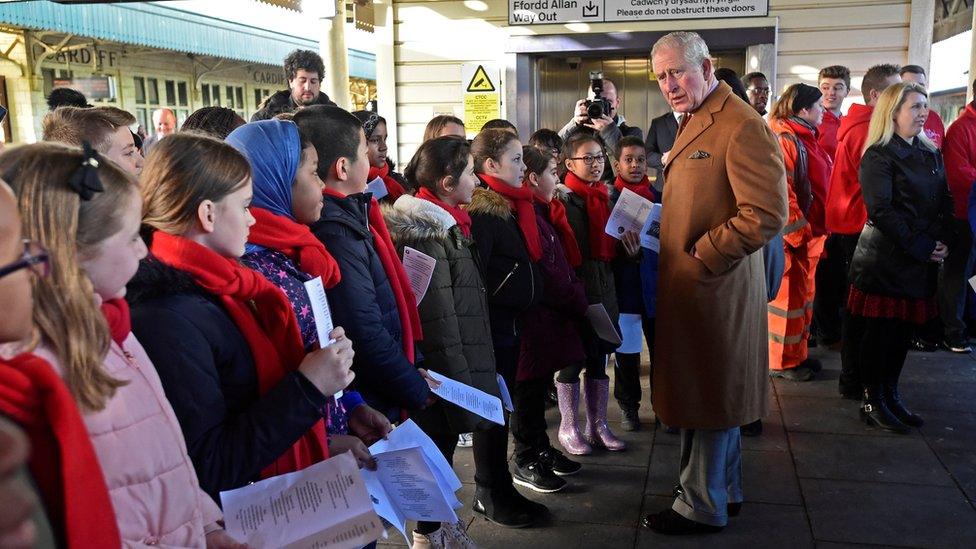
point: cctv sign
(542, 12)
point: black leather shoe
(732, 509)
(814, 365)
(753, 429)
(874, 412)
(672, 524)
(559, 463)
(496, 507)
(799, 373)
(897, 407)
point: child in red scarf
(373, 300)
(380, 165)
(89, 212)
(635, 320)
(507, 238)
(225, 340)
(587, 204)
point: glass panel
(140, 84)
(230, 96)
(257, 99)
(216, 96)
(206, 94)
(152, 90)
(142, 116)
(181, 89)
(240, 97)
(170, 92)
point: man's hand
(368, 424)
(631, 242)
(339, 444)
(940, 252)
(600, 124)
(665, 156)
(581, 117)
(220, 539)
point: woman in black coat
(896, 263)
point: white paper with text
(628, 214)
(420, 268)
(322, 314)
(377, 187)
(650, 233)
(471, 399)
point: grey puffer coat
(454, 311)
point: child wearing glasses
(587, 203)
(88, 211)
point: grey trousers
(710, 474)
(953, 281)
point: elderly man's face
(684, 85)
(165, 122)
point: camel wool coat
(725, 197)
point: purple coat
(550, 330)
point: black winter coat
(363, 304)
(513, 281)
(909, 209)
(282, 102)
(627, 275)
(208, 373)
(454, 311)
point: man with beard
(304, 70)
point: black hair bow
(370, 124)
(84, 180)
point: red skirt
(916, 311)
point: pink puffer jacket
(140, 446)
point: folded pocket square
(699, 154)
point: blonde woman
(896, 262)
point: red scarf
(519, 200)
(62, 461)
(602, 246)
(264, 316)
(642, 188)
(399, 283)
(296, 241)
(393, 187)
(557, 216)
(116, 313)
(459, 215)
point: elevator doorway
(563, 80)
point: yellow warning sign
(480, 82)
(480, 108)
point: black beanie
(806, 96)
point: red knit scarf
(397, 275)
(643, 188)
(520, 201)
(296, 241)
(116, 313)
(459, 215)
(393, 187)
(263, 315)
(602, 246)
(62, 461)
(557, 216)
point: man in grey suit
(660, 139)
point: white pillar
(332, 48)
(920, 33)
(386, 76)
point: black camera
(598, 106)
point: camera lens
(595, 109)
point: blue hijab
(273, 148)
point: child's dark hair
(628, 141)
(546, 139)
(490, 144)
(536, 160)
(575, 141)
(500, 124)
(332, 131)
(436, 158)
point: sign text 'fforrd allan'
(543, 12)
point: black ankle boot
(496, 506)
(897, 407)
(874, 412)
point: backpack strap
(801, 174)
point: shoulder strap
(801, 177)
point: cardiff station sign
(543, 12)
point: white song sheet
(405, 487)
(377, 187)
(628, 214)
(650, 234)
(325, 505)
(420, 268)
(471, 399)
(322, 314)
(506, 396)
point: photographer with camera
(598, 114)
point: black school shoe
(559, 463)
(732, 509)
(670, 523)
(753, 429)
(537, 477)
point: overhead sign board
(544, 12)
(480, 85)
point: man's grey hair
(692, 47)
